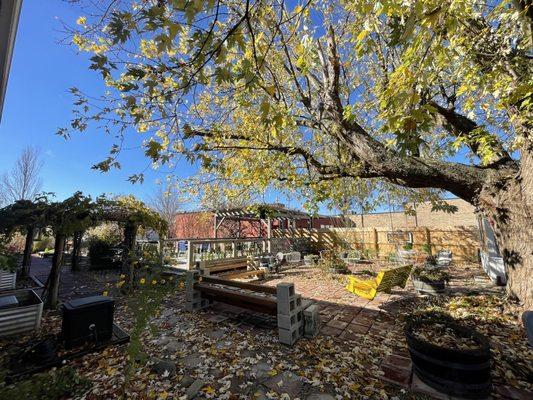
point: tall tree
(167, 202)
(422, 93)
(23, 182)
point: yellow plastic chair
(384, 282)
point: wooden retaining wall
(463, 241)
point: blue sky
(38, 103)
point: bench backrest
(387, 279)
(223, 264)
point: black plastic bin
(88, 319)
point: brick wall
(465, 216)
(200, 225)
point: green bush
(8, 259)
(103, 254)
(331, 262)
(53, 385)
(408, 246)
(41, 245)
(103, 242)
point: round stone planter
(429, 287)
(463, 373)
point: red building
(241, 223)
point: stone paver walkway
(73, 283)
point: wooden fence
(463, 241)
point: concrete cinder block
(288, 336)
(311, 318)
(191, 295)
(196, 305)
(290, 321)
(285, 291)
(287, 307)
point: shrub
(56, 384)
(46, 242)
(430, 275)
(103, 254)
(8, 260)
(408, 246)
(331, 262)
(104, 243)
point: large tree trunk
(130, 234)
(52, 288)
(28, 248)
(76, 250)
(508, 205)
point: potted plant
(429, 281)
(8, 272)
(310, 259)
(331, 262)
(447, 356)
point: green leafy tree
(262, 93)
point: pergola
(265, 214)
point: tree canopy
(262, 93)
(422, 93)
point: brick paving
(346, 317)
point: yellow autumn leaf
(208, 390)
(272, 372)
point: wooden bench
(224, 265)
(295, 318)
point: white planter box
(8, 280)
(24, 317)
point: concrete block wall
(193, 296)
(296, 318)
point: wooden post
(215, 227)
(161, 252)
(376, 244)
(190, 255)
(269, 234)
(428, 240)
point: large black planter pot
(429, 287)
(462, 373)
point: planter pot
(429, 287)
(21, 313)
(310, 260)
(463, 373)
(8, 280)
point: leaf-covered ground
(226, 353)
